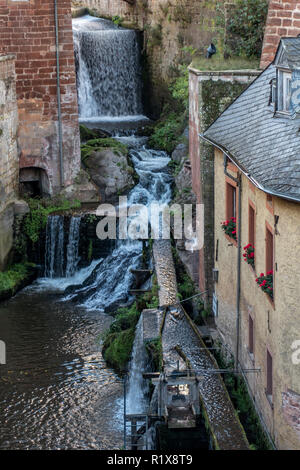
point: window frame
(269, 377)
(251, 336)
(283, 98)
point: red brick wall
(283, 20)
(27, 29)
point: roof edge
(247, 174)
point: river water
(56, 392)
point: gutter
(61, 163)
(253, 180)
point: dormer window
(284, 90)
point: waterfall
(54, 255)
(59, 264)
(73, 246)
(108, 69)
(136, 398)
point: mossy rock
(117, 348)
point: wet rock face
(110, 171)
(83, 189)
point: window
(284, 90)
(251, 335)
(230, 201)
(251, 235)
(269, 250)
(269, 389)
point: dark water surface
(56, 391)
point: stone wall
(210, 94)
(283, 20)
(28, 31)
(168, 26)
(276, 324)
(9, 168)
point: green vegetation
(242, 402)
(117, 20)
(167, 132)
(246, 27)
(94, 145)
(40, 209)
(218, 63)
(11, 279)
(155, 352)
(119, 338)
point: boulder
(83, 189)
(181, 152)
(110, 171)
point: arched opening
(34, 182)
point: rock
(110, 171)
(21, 208)
(180, 153)
(83, 189)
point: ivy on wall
(245, 26)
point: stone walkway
(165, 272)
(183, 344)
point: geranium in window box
(229, 227)
(265, 282)
(249, 254)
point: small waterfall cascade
(136, 398)
(108, 69)
(61, 259)
(73, 247)
(54, 256)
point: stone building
(210, 93)
(257, 240)
(48, 133)
(9, 162)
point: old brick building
(257, 200)
(283, 20)
(28, 30)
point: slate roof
(291, 50)
(263, 145)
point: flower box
(249, 255)
(229, 227)
(265, 282)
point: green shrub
(117, 348)
(167, 132)
(11, 278)
(40, 209)
(246, 26)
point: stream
(56, 392)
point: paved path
(165, 272)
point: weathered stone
(110, 171)
(83, 189)
(21, 208)
(180, 152)
(6, 234)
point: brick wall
(27, 29)
(283, 20)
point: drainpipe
(237, 180)
(61, 163)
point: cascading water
(73, 246)
(61, 261)
(136, 397)
(54, 255)
(108, 69)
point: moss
(119, 346)
(94, 145)
(218, 63)
(40, 209)
(242, 402)
(12, 278)
(155, 352)
(119, 338)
